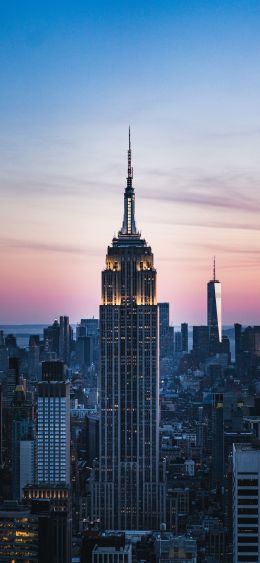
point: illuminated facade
(129, 494)
(53, 426)
(214, 313)
(19, 536)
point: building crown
(129, 227)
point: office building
(91, 326)
(217, 439)
(128, 493)
(84, 351)
(247, 351)
(11, 382)
(1, 425)
(53, 426)
(177, 549)
(201, 343)
(36, 532)
(112, 554)
(34, 358)
(57, 500)
(214, 313)
(246, 514)
(164, 323)
(184, 337)
(178, 342)
(92, 438)
(65, 339)
(51, 337)
(22, 441)
(19, 534)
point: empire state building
(128, 492)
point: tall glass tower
(214, 312)
(128, 493)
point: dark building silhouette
(85, 351)
(1, 425)
(51, 336)
(12, 381)
(22, 443)
(201, 342)
(177, 342)
(217, 439)
(53, 505)
(65, 339)
(10, 342)
(184, 337)
(164, 325)
(38, 532)
(53, 371)
(247, 350)
(92, 438)
(34, 357)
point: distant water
(23, 333)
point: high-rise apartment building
(214, 313)
(129, 494)
(246, 505)
(53, 426)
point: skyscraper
(1, 425)
(129, 494)
(184, 337)
(214, 312)
(22, 439)
(65, 339)
(246, 506)
(201, 342)
(217, 414)
(164, 324)
(53, 429)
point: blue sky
(186, 76)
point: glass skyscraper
(214, 313)
(128, 492)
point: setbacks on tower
(128, 492)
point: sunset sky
(185, 74)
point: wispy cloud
(38, 246)
(55, 186)
(223, 191)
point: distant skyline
(186, 77)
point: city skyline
(82, 77)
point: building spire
(130, 168)
(129, 226)
(214, 269)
